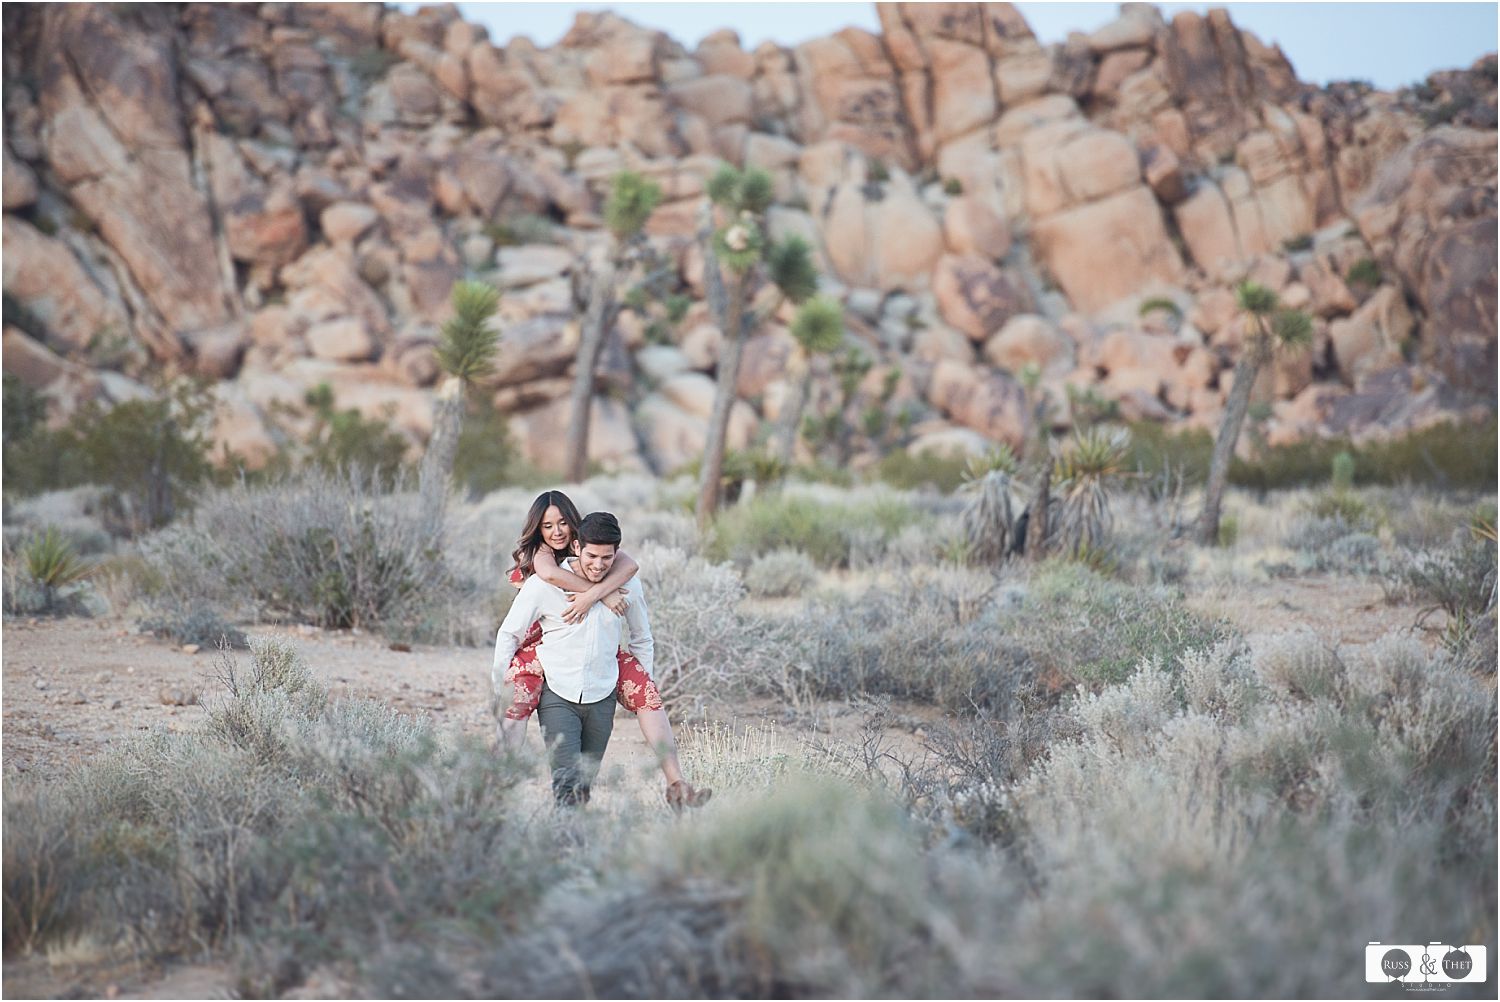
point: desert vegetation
(971, 756)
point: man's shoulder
(535, 587)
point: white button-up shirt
(577, 659)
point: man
(577, 708)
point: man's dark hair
(599, 528)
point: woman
(545, 541)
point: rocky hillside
(280, 195)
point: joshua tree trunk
(1035, 543)
(1245, 373)
(442, 448)
(595, 324)
(718, 424)
(786, 441)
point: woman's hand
(616, 602)
(579, 604)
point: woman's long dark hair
(531, 535)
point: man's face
(595, 560)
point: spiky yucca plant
(818, 330)
(739, 244)
(1269, 327)
(988, 522)
(632, 199)
(1084, 474)
(466, 351)
(54, 564)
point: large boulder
(991, 403)
(1103, 251)
(889, 241)
(1371, 340)
(541, 433)
(115, 138)
(42, 275)
(1030, 340)
(976, 297)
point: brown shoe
(683, 794)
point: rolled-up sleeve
(523, 612)
(638, 621)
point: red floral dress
(635, 689)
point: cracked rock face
(269, 194)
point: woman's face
(556, 532)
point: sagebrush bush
(934, 637)
(1459, 578)
(328, 549)
(780, 574)
(289, 825)
(705, 648)
(196, 623)
(1083, 628)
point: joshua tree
(466, 352)
(739, 244)
(988, 520)
(1084, 471)
(1266, 327)
(818, 330)
(631, 200)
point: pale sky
(1388, 44)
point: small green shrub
(879, 172)
(1301, 242)
(1160, 303)
(1364, 272)
(953, 187)
(487, 458)
(939, 470)
(521, 229)
(792, 522)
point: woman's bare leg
(512, 733)
(657, 730)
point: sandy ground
(73, 687)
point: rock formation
(280, 195)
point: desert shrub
(705, 648)
(780, 574)
(329, 549)
(933, 638)
(289, 826)
(487, 458)
(1458, 578)
(1297, 664)
(939, 470)
(149, 453)
(1364, 272)
(340, 439)
(1448, 455)
(953, 186)
(1424, 701)
(824, 531)
(1334, 542)
(194, 624)
(1327, 791)
(50, 565)
(1083, 628)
